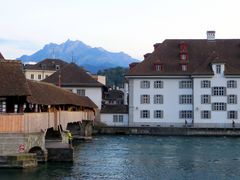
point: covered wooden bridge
(29, 109)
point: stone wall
(11, 143)
(170, 131)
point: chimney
(211, 35)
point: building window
(145, 84)
(81, 92)
(145, 99)
(158, 99)
(115, 118)
(57, 67)
(218, 69)
(158, 67)
(46, 76)
(205, 84)
(219, 106)
(232, 99)
(185, 99)
(232, 114)
(32, 76)
(206, 114)
(232, 84)
(145, 114)
(39, 76)
(158, 114)
(219, 91)
(205, 99)
(2, 105)
(158, 84)
(185, 84)
(118, 118)
(185, 114)
(183, 56)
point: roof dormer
(158, 66)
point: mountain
(91, 58)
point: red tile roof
(71, 75)
(46, 64)
(201, 53)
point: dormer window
(158, 67)
(183, 57)
(218, 69)
(184, 67)
(57, 67)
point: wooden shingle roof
(72, 75)
(201, 54)
(49, 94)
(12, 79)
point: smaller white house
(115, 115)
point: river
(143, 158)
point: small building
(43, 69)
(114, 115)
(113, 97)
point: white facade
(114, 119)
(37, 75)
(94, 93)
(183, 105)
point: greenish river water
(143, 158)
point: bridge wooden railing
(35, 122)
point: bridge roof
(12, 79)
(49, 94)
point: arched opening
(39, 152)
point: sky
(131, 26)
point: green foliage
(114, 76)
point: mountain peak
(92, 59)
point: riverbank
(168, 131)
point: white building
(77, 80)
(187, 82)
(43, 69)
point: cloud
(12, 49)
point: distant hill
(91, 58)
(114, 76)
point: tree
(114, 76)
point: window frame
(145, 99)
(158, 84)
(145, 114)
(145, 84)
(158, 114)
(205, 84)
(186, 99)
(158, 99)
(219, 106)
(81, 92)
